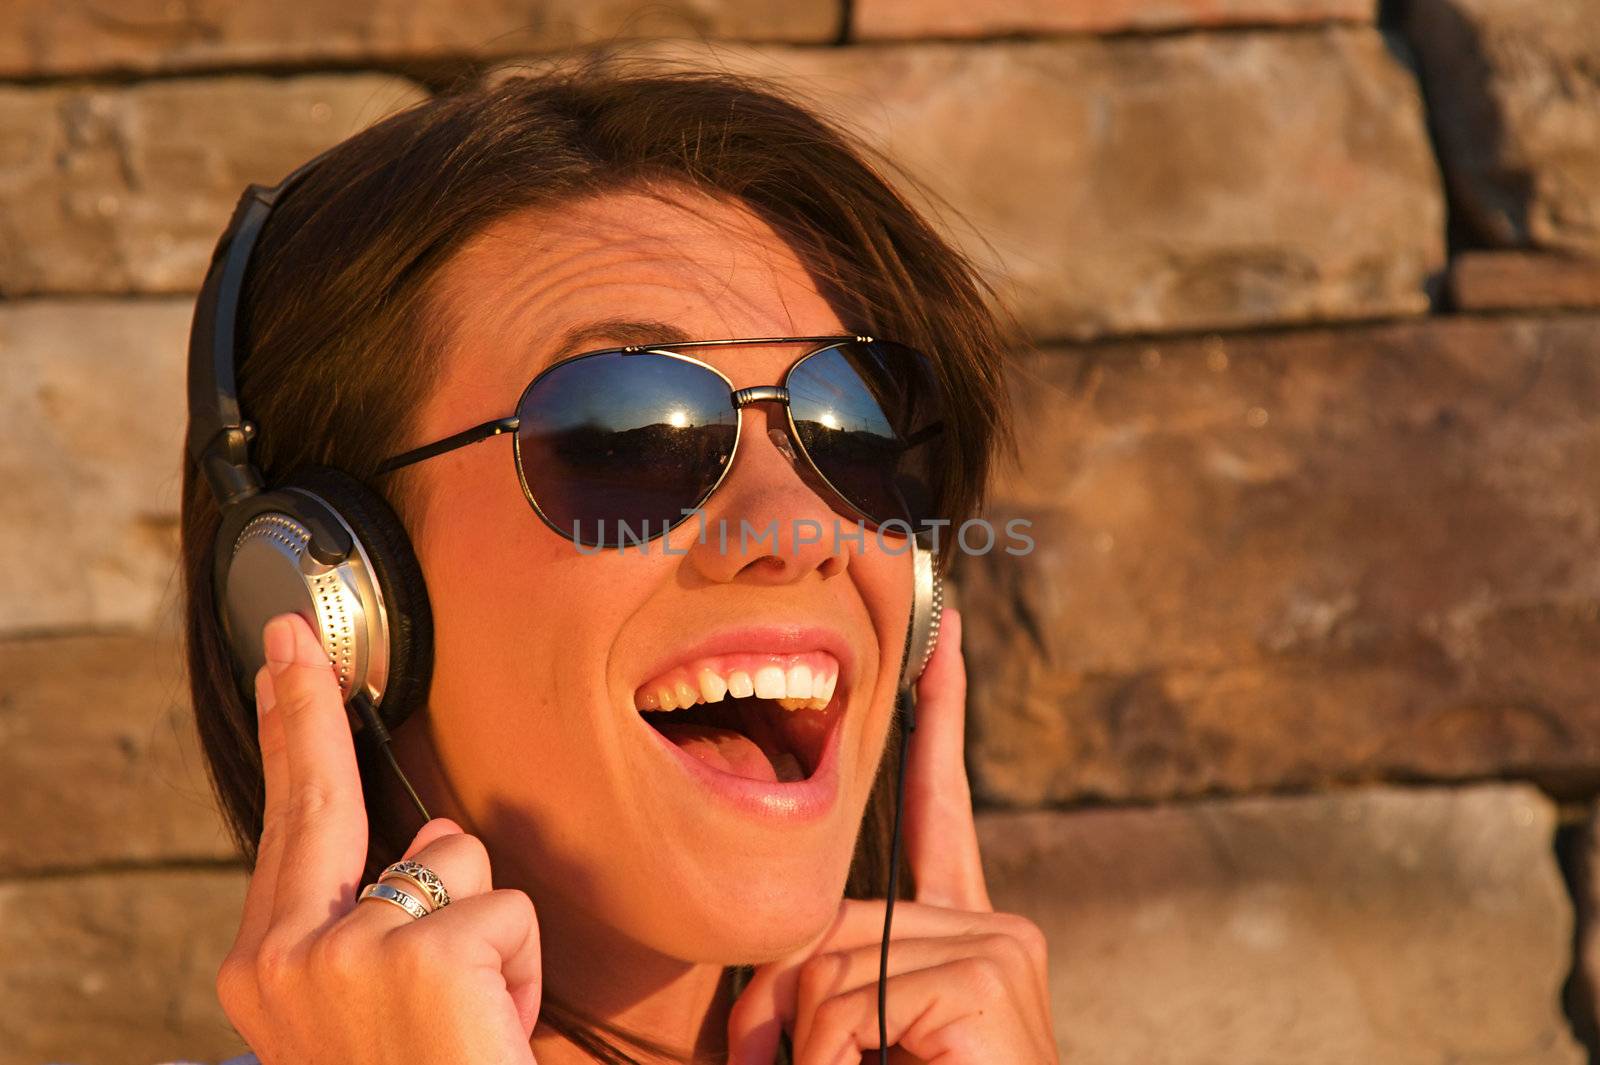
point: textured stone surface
(99, 756)
(49, 37)
(127, 188)
(1583, 998)
(1513, 89)
(92, 400)
(1523, 281)
(1408, 927)
(1268, 562)
(117, 967)
(956, 18)
(1185, 182)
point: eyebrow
(622, 331)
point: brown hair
(338, 337)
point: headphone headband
(320, 543)
(219, 437)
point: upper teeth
(799, 687)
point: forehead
(542, 284)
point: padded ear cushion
(399, 577)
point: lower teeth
(787, 768)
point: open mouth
(767, 720)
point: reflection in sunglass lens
(615, 446)
(869, 416)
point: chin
(760, 921)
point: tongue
(721, 748)
(730, 752)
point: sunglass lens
(615, 446)
(870, 417)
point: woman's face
(543, 651)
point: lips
(788, 729)
(785, 807)
(755, 705)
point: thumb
(754, 1025)
(438, 828)
(766, 1007)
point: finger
(958, 1010)
(758, 1016)
(825, 976)
(497, 930)
(434, 829)
(755, 1027)
(756, 1021)
(459, 861)
(274, 770)
(941, 836)
(324, 820)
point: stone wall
(1288, 732)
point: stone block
(50, 38)
(126, 188)
(1279, 561)
(92, 398)
(1583, 991)
(1523, 281)
(1394, 925)
(909, 19)
(99, 755)
(1514, 95)
(117, 967)
(1135, 185)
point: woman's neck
(677, 1003)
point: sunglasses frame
(739, 398)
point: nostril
(765, 565)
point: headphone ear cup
(399, 579)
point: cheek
(884, 581)
(522, 626)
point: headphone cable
(906, 701)
(380, 738)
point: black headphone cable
(379, 736)
(906, 701)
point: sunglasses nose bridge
(743, 397)
(778, 433)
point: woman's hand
(314, 976)
(966, 985)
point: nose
(770, 520)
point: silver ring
(389, 893)
(424, 878)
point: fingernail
(278, 641)
(266, 696)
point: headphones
(325, 546)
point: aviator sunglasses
(621, 445)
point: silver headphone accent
(271, 572)
(927, 608)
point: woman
(605, 903)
